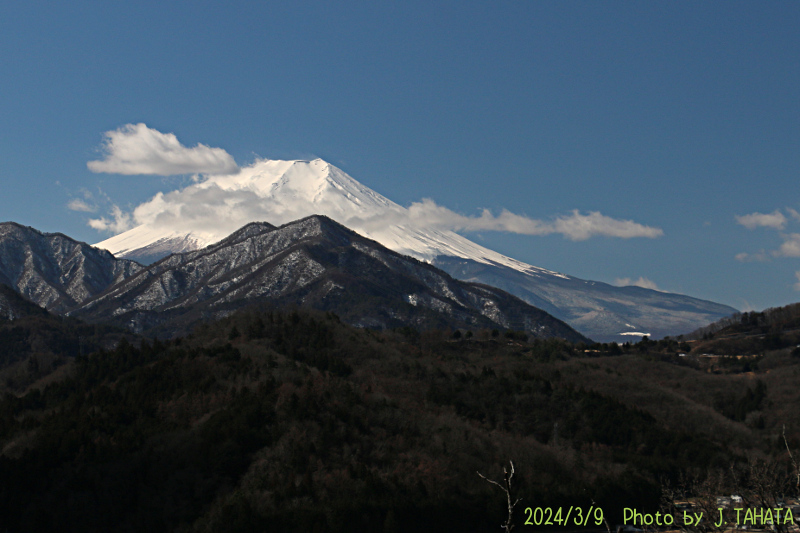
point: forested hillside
(34, 344)
(294, 421)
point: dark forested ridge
(294, 421)
(751, 332)
(34, 343)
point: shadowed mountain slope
(13, 306)
(55, 271)
(313, 262)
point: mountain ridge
(54, 270)
(313, 262)
(288, 190)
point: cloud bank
(137, 149)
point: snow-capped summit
(280, 192)
(283, 191)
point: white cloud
(575, 226)
(580, 227)
(218, 205)
(790, 246)
(119, 222)
(641, 282)
(76, 204)
(797, 285)
(137, 149)
(428, 214)
(214, 210)
(775, 220)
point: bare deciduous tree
(508, 475)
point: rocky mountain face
(289, 190)
(313, 262)
(601, 311)
(55, 271)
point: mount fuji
(283, 191)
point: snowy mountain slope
(312, 262)
(147, 245)
(53, 270)
(290, 190)
(598, 310)
(283, 191)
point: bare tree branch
(508, 475)
(794, 463)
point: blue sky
(681, 116)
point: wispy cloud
(745, 257)
(137, 149)
(575, 226)
(775, 220)
(641, 282)
(120, 221)
(76, 204)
